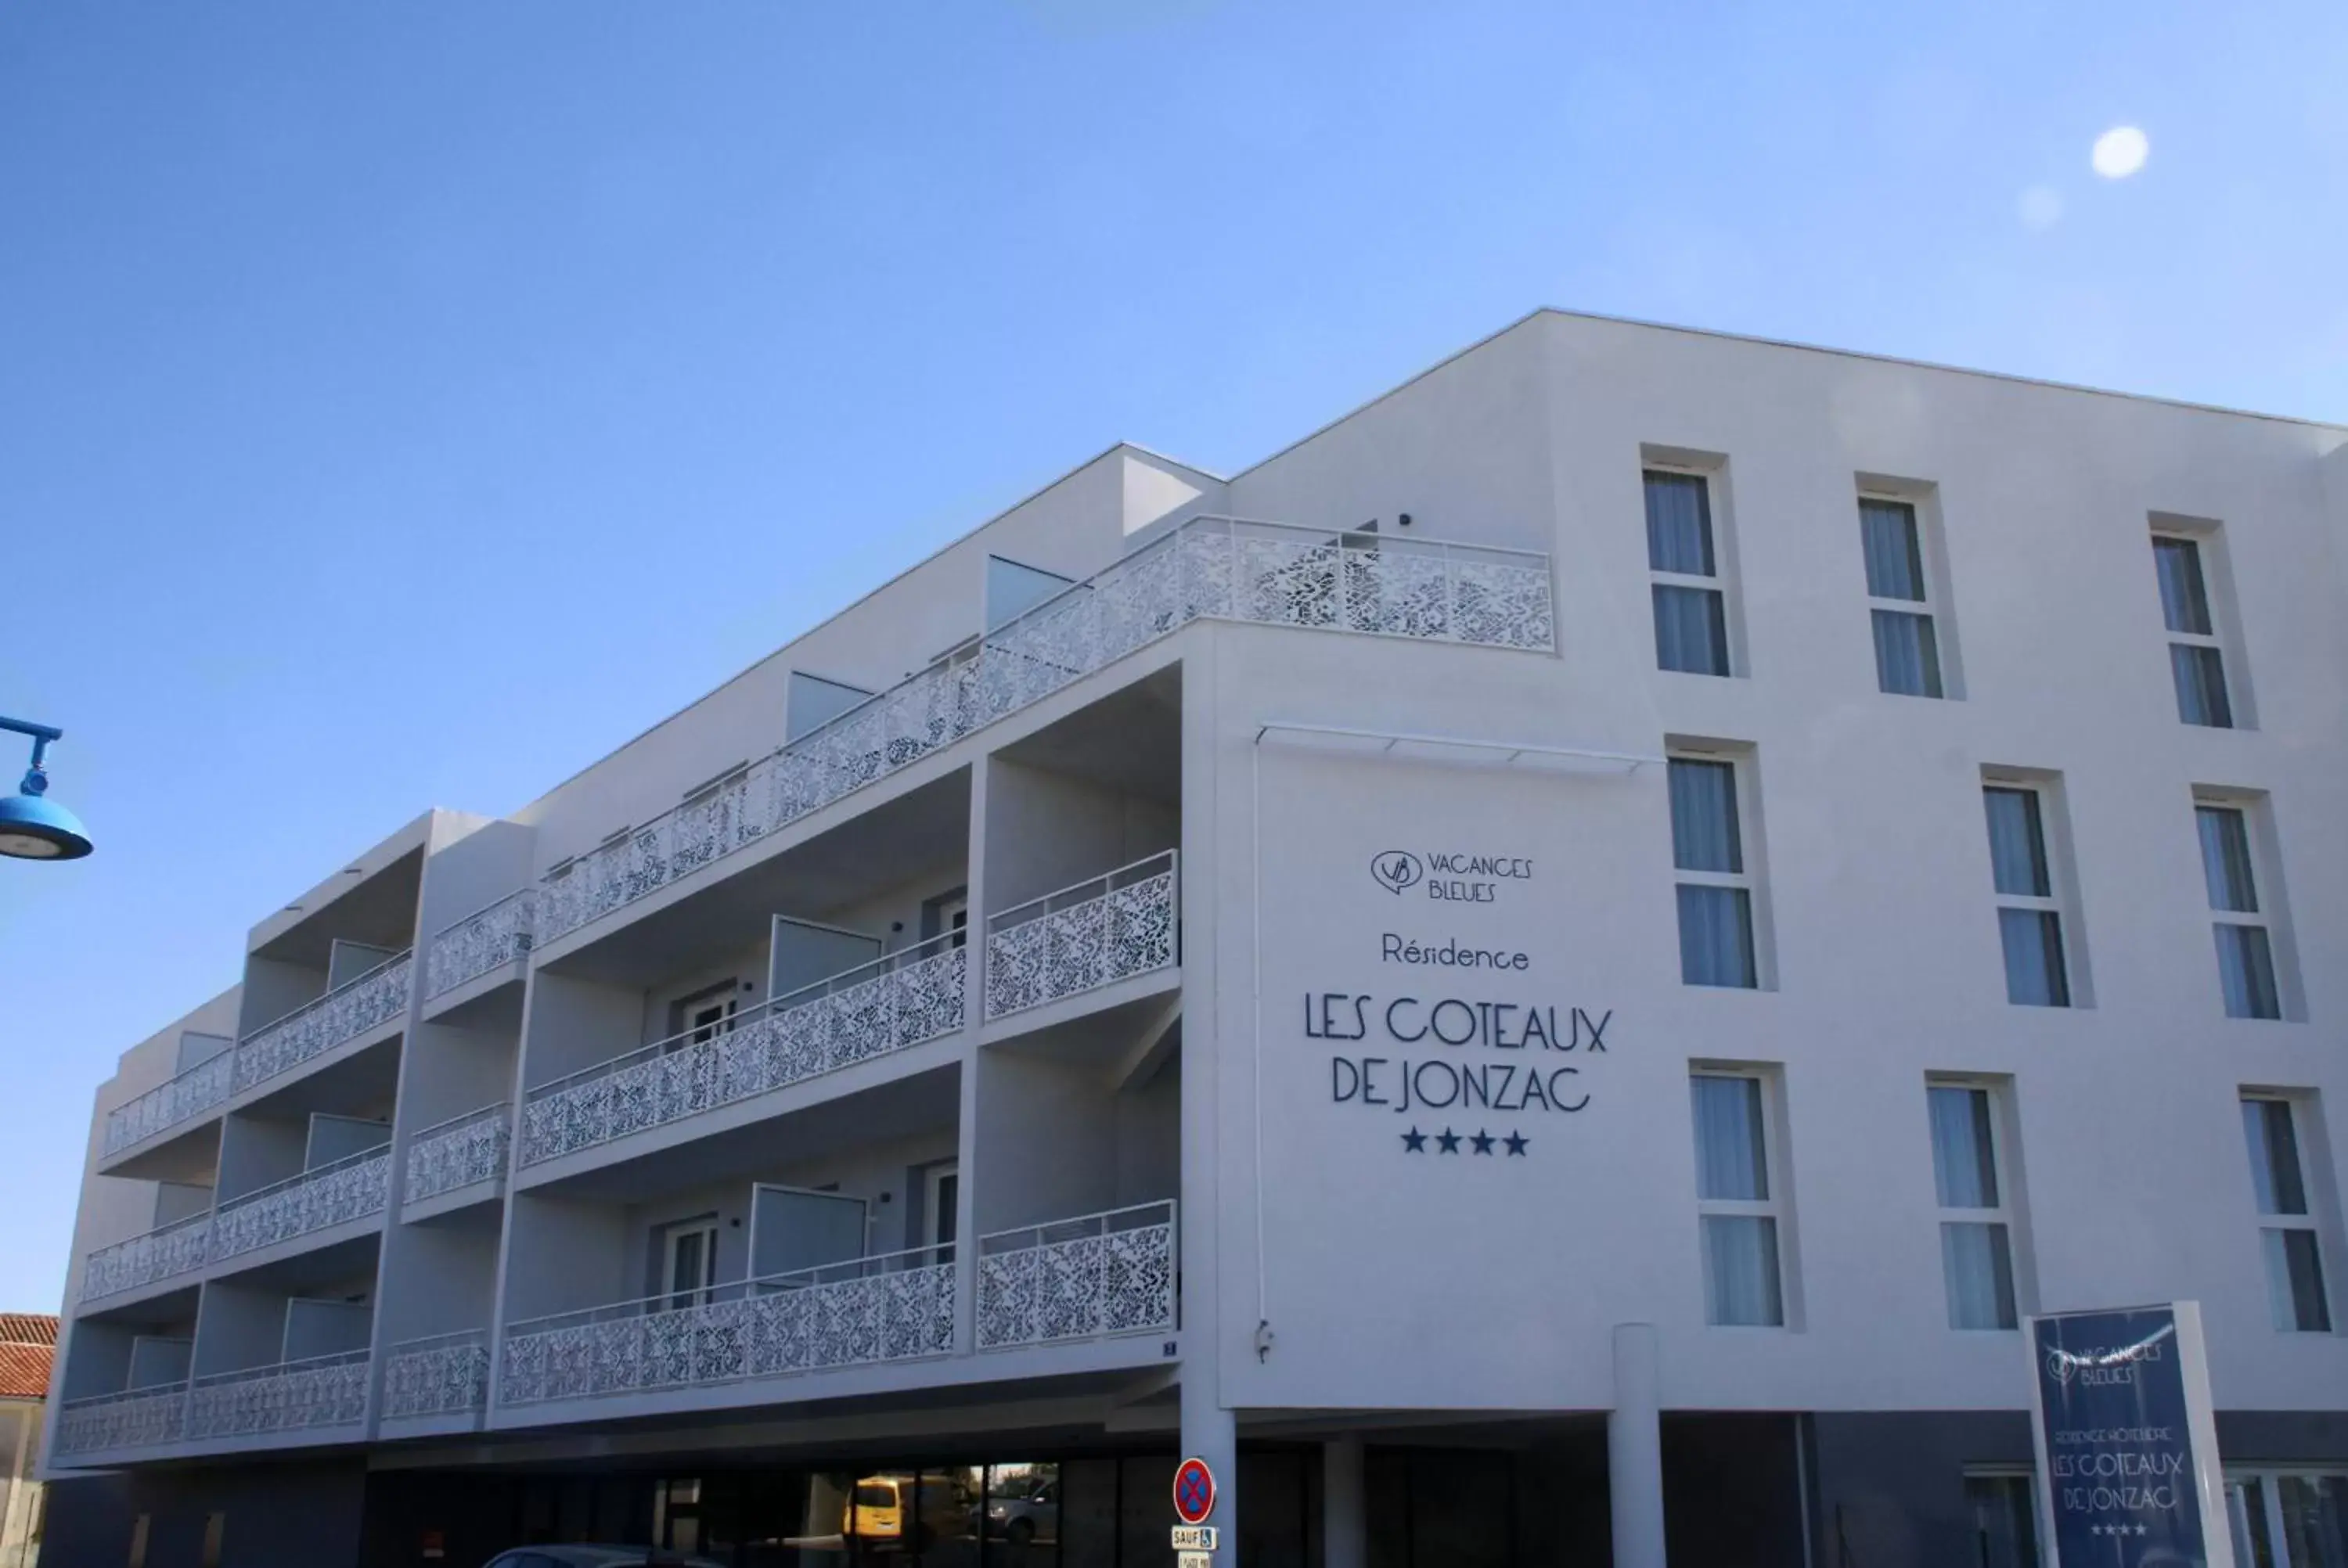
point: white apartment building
(1541, 976)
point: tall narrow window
(1738, 1216)
(2194, 660)
(2029, 920)
(2246, 969)
(1976, 1238)
(2287, 1234)
(1716, 892)
(1899, 591)
(1691, 605)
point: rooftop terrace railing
(1227, 568)
(350, 1010)
(889, 1004)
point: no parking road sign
(1194, 1492)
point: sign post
(2127, 1441)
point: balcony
(445, 1375)
(140, 1418)
(484, 940)
(165, 1253)
(889, 1005)
(331, 1195)
(1222, 568)
(896, 1306)
(1094, 934)
(190, 1095)
(1085, 1278)
(290, 1397)
(459, 1151)
(344, 1013)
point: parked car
(1019, 1520)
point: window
(2004, 1519)
(947, 913)
(688, 1261)
(1691, 598)
(941, 1208)
(2029, 918)
(2246, 965)
(2287, 1518)
(1715, 890)
(1976, 1237)
(1900, 597)
(1738, 1216)
(2287, 1235)
(2196, 661)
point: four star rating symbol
(1448, 1142)
(2115, 1530)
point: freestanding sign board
(2128, 1447)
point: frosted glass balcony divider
(162, 1253)
(290, 1397)
(1083, 1279)
(348, 1012)
(138, 1419)
(893, 1306)
(331, 1195)
(891, 1003)
(190, 1094)
(459, 1151)
(1226, 568)
(483, 940)
(1093, 934)
(446, 1374)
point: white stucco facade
(1238, 1147)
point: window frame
(2205, 538)
(2060, 897)
(1711, 471)
(1932, 606)
(667, 1292)
(1751, 878)
(2310, 1219)
(2004, 1214)
(2271, 911)
(1776, 1207)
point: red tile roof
(25, 1371)
(27, 1328)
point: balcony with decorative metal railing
(1090, 1278)
(895, 1306)
(164, 1252)
(195, 1091)
(482, 941)
(319, 1199)
(890, 1004)
(459, 1152)
(140, 1417)
(289, 1397)
(1096, 933)
(444, 1375)
(352, 1008)
(1226, 568)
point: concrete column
(1344, 1521)
(1634, 1449)
(1211, 1433)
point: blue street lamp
(31, 826)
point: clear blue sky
(401, 405)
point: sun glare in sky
(2119, 152)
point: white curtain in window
(1740, 1271)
